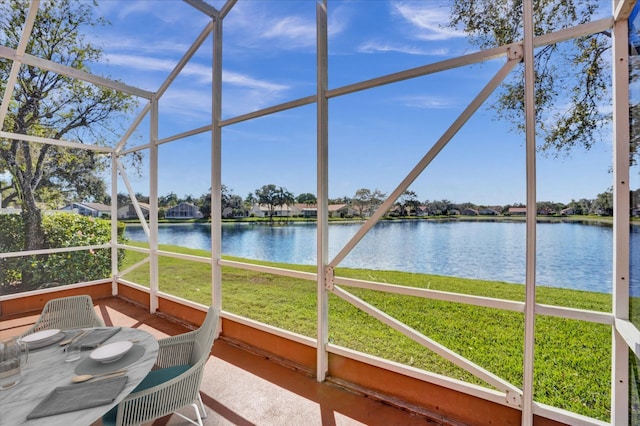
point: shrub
(61, 230)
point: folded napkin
(96, 337)
(65, 399)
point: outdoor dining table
(46, 371)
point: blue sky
(375, 137)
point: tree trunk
(34, 234)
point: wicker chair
(174, 382)
(67, 313)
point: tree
(360, 201)
(54, 106)
(569, 105)
(268, 196)
(365, 201)
(250, 200)
(235, 206)
(306, 198)
(284, 198)
(168, 201)
(408, 202)
(603, 204)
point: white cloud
(429, 19)
(120, 42)
(294, 30)
(201, 72)
(254, 24)
(373, 47)
(191, 103)
(133, 7)
(140, 62)
(242, 80)
(427, 102)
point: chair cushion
(154, 378)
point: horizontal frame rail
(476, 370)
(53, 251)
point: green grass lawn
(572, 358)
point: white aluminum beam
(190, 257)
(322, 183)
(168, 139)
(423, 375)
(510, 390)
(269, 270)
(186, 134)
(134, 149)
(621, 221)
(270, 110)
(154, 274)
(45, 64)
(575, 314)
(133, 127)
(216, 166)
(203, 7)
(136, 265)
(564, 416)
(185, 58)
(52, 251)
(530, 274)
(57, 142)
(114, 224)
(622, 9)
(629, 332)
(132, 196)
(472, 58)
(429, 156)
(227, 8)
(15, 65)
(486, 302)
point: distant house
(262, 210)
(453, 212)
(635, 212)
(469, 212)
(517, 211)
(89, 209)
(129, 212)
(339, 210)
(307, 210)
(546, 211)
(183, 211)
(488, 212)
(568, 211)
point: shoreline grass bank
(572, 358)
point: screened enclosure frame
(625, 336)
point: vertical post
(620, 356)
(216, 161)
(114, 224)
(322, 184)
(153, 207)
(530, 280)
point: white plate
(40, 336)
(111, 352)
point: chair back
(67, 313)
(205, 336)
